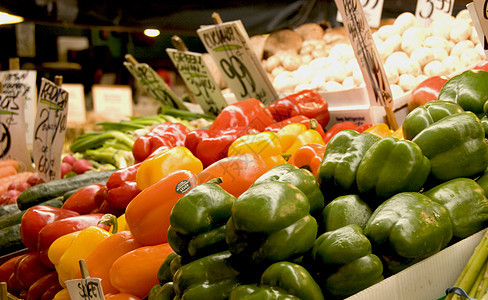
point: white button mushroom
(441, 27)
(405, 21)
(332, 86)
(271, 63)
(460, 30)
(396, 91)
(462, 46)
(423, 55)
(470, 57)
(453, 64)
(435, 68)
(407, 82)
(291, 62)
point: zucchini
(16, 217)
(8, 209)
(48, 190)
(11, 240)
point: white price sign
(22, 83)
(12, 125)
(50, 130)
(85, 289)
(229, 46)
(198, 79)
(372, 10)
(154, 85)
(429, 10)
(479, 14)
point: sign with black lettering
(50, 130)
(479, 14)
(429, 10)
(85, 289)
(154, 85)
(12, 125)
(229, 46)
(372, 9)
(198, 79)
(22, 83)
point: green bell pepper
(391, 166)
(198, 221)
(338, 169)
(407, 228)
(424, 116)
(483, 182)
(466, 203)
(210, 277)
(484, 122)
(345, 210)
(468, 89)
(301, 178)
(162, 292)
(455, 146)
(164, 272)
(281, 280)
(271, 222)
(344, 261)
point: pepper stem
(216, 180)
(109, 219)
(314, 124)
(286, 156)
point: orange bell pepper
(308, 157)
(148, 213)
(121, 296)
(238, 172)
(382, 130)
(136, 271)
(153, 169)
(105, 254)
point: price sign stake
(153, 83)
(428, 10)
(372, 10)
(367, 56)
(479, 14)
(50, 128)
(86, 288)
(230, 47)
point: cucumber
(68, 194)
(15, 217)
(11, 240)
(48, 190)
(8, 209)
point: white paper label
(76, 111)
(12, 125)
(372, 10)
(359, 33)
(229, 46)
(84, 289)
(23, 83)
(429, 10)
(198, 79)
(155, 85)
(479, 14)
(113, 102)
(50, 130)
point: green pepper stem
(109, 219)
(286, 156)
(216, 180)
(313, 124)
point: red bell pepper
(426, 91)
(307, 102)
(212, 145)
(362, 128)
(275, 127)
(83, 200)
(122, 187)
(51, 291)
(250, 113)
(8, 267)
(35, 218)
(337, 128)
(165, 134)
(38, 288)
(52, 231)
(29, 269)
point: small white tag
(428, 10)
(85, 289)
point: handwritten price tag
(229, 46)
(479, 14)
(372, 9)
(198, 79)
(50, 130)
(154, 85)
(429, 10)
(22, 83)
(84, 289)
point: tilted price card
(427, 11)
(229, 46)
(154, 85)
(12, 125)
(50, 130)
(22, 83)
(198, 79)
(478, 10)
(85, 289)
(372, 9)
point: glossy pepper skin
(338, 127)
(382, 130)
(265, 144)
(308, 157)
(163, 135)
(338, 168)
(426, 91)
(282, 279)
(148, 213)
(345, 263)
(122, 187)
(271, 222)
(300, 178)
(455, 146)
(426, 115)
(345, 210)
(83, 200)
(307, 102)
(277, 126)
(210, 277)
(198, 220)
(407, 228)
(250, 113)
(467, 89)
(466, 203)
(296, 135)
(391, 166)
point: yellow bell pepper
(153, 169)
(62, 295)
(82, 244)
(398, 133)
(382, 130)
(121, 224)
(265, 144)
(288, 134)
(308, 136)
